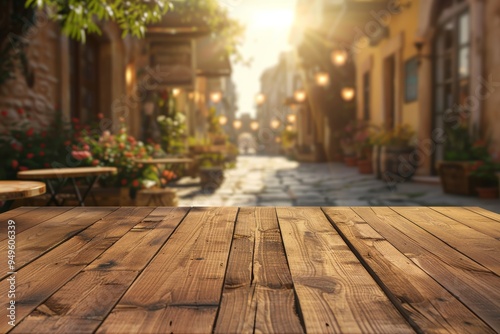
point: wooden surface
(10, 190)
(55, 173)
(263, 270)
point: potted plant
(347, 144)
(395, 153)
(485, 178)
(460, 157)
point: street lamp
(254, 125)
(339, 57)
(222, 119)
(322, 79)
(237, 124)
(215, 97)
(291, 118)
(289, 128)
(347, 93)
(176, 92)
(300, 95)
(275, 123)
(260, 99)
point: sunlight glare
(273, 18)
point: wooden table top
(270, 270)
(165, 161)
(54, 173)
(14, 189)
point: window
(411, 80)
(451, 63)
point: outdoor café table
(266, 270)
(13, 189)
(56, 178)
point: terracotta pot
(365, 166)
(351, 161)
(489, 192)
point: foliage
(214, 126)
(400, 136)
(484, 168)
(459, 145)
(25, 148)
(172, 124)
(120, 150)
(78, 17)
(211, 159)
(288, 138)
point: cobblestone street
(277, 181)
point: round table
(61, 175)
(11, 190)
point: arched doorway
(247, 143)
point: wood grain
(10, 190)
(265, 303)
(474, 244)
(472, 219)
(25, 220)
(56, 173)
(468, 281)
(35, 241)
(485, 213)
(186, 274)
(336, 294)
(430, 307)
(42, 277)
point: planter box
(455, 177)
(395, 162)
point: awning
(212, 59)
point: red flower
(75, 120)
(124, 182)
(20, 111)
(135, 183)
(14, 164)
(43, 134)
(42, 153)
(4, 113)
(21, 168)
(100, 116)
(46, 165)
(67, 143)
(42, 145)
(30, 132)
(30, 155)
(95, 162)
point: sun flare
(273, 18)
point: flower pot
(455, 177)
(365, 166)
(351, 161)
(395, 162)
(487, 192)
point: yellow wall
(400, 43)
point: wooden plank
(476, 245)
(44, 276)
(334, 290)
(93, 293)
(85, 300)
(170, 319)
(472, 219)
(238, 305)
(485, 213)
(35, 241)
(265, 303)
(186, 274)
(140, 244)
(15, 212)
(474, 285)
(429, 306)
(24, 219)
